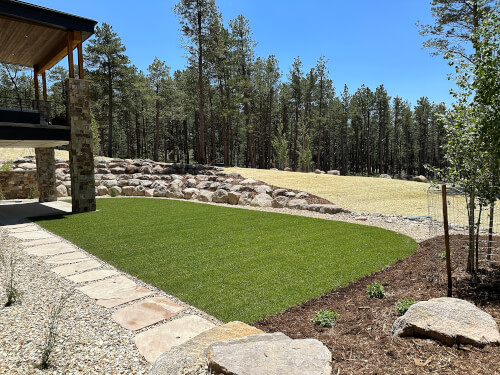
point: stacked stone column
(45, 162)
(81, 158)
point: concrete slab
(114, 292)
(70, 269)
(16, 226)
(67, 258)
(50, 249)
(146, 313)
(43, 241)
(92, 276)
(36, 235)
(152, 343)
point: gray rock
(236, 187)
(220, 196)
(262, 189)
(115, 191)
(100, 190)
(139, 191)
(204, 185)
(270, 354)
(384, 175)
(157, 170)
(288, 169)
(318, 171)
(108, 176)
(419, 178)
(149, 193)
(205, 196)
(297, 204)
(174, 191)
(62, 191)
(128, 191)
(145, 170)
(190, 183)
(215, 185)
(450, 321)
(248, 181)
(279, 192)
(289, 194)
(302, 195)
(262, 200)
(27, 166)
(117, 170)
(325, 208)
(233, 197)
(334, 172)
(245, 199)
(280, 202)
(110, 183)
(191, 193)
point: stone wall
(18, 184)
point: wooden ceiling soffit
(71, 40)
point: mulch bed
(361, 341)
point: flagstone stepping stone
(92, 276)
(36, 235)
(75, 257)
(185, 355)
(115, 291)
(50, 249)
(70, 269)
(153, 342)
(26, 228)
(146, 313)
(43, 241)
(270, 354)
(16, 226)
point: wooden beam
(56, 55)
(78, 35)
(44, 86)
(37, 89)
(71, 65)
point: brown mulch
(361, 341)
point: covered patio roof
(39, 37)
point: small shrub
(7, 166)
(113, 192)
(2, 197)
(403, 305)
(52, 334)
(12, 294)
(375, 290)
(442, 254)
(32, 193)
(325, 318)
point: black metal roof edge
(50, 17)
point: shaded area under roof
(39, 37)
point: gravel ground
(90, 342)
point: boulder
(325, 208)
(62, 191)
(297, 204)
(205, 196)
(450, 321)
(117, 170)
(149, 193)
(27, 166)
(108, 176)
(204, 185)
(145, 170)
(115, 191)
(233, 197)
(174, 191)
(248, 181)
(191, 193)
(273, 169)
(225, 186)
(245, 199)
(139, 191)
(185, 355)
(215, 185)
(384, 175)
(419, 178)
(262, 200)
(279, 192)
(262, 189)
(318, 171)
(101, 190)
(220, 196)
(110, 183)
(280, 202)
(131, 169)
(157, 170)
(287, 169)
(236, 187)
(270, 353)
(334, 172)
(235, 175)
(128, 191)
(300, 195)
(190, 183)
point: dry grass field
(12, 153)
(358, 194)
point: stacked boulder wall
(450, 321)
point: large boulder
(220, 196)
(449, 320)
(334, 172)
(270, 353)
(205, 196)
(100, 190)
(233, 197)
(385, 175)
(62, 191)
(174, 191)
(245, 199)
(262, 189)
(190, 183)
(280, 202)
(248, 181)
(297, 204)
(419, 178)
(182, 357)
(191, 193)
(262, 200)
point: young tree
(158, 76)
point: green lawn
(234, 264)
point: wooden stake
(446, 238)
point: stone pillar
(81, 158)
(46, 174)
(45, 161)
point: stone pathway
(110, 288)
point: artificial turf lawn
(235, 264)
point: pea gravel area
(89, 342)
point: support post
(447, 238)
(46, 174)
(81, 158)
(35, 81)
(71, 66)
(44, 86)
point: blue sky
(369, 42)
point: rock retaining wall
(145, 178)
(18, 184)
